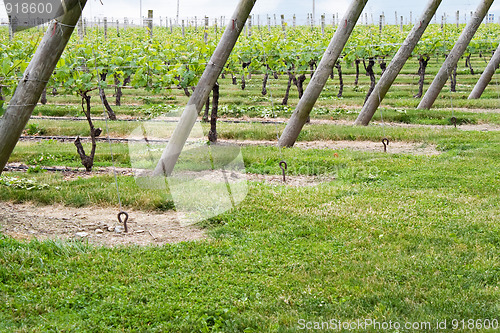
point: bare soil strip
(248, 120)
(98, 226)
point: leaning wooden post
(204, 87)
(396, 65)
(487, 76)
(35, 78)
(325, 67)
(454, 56)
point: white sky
(118, 9)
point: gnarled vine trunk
(212, 134)
(468, 64)
(118, 88)
(383, 65)
(87, 160)
(453, 79)
(43, 98)
(341, 79)
(423, 61)
(371, 74)
(207, 110)
(104, 99)
(291, 79)
(300, 85)
(357, 62)
(243, 82)
(264, 84)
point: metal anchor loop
(123, 221)
(385, 141)
(454, 121)
(284, 167)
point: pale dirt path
(396, 147)
(29, 221)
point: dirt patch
(396, 147)
(293, 181)
(466, 127)
(99, 226)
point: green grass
(416, 240)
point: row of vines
(169, 60)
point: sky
(118, 9)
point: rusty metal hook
(284, 167)
(123, 221)
(385, 141)
(454, 121)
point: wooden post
(396, 65)
(183, 29)
(269, 23)
(402, 26)
(250, 26)
(294, 21)
(458, 19)
(117, 28)
(396, 18)
(105, 23)
(487, 76)
(454, 56)
(12, 29)
(80, 28)
(205, 35)
(283, 25)
(323, 25)
(150, 23)
(318, 81)
(204, 87)
(35, 78)
(381, 24)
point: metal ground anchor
(385, 141)
(123, 221)
(454, 121)
(284, 167)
